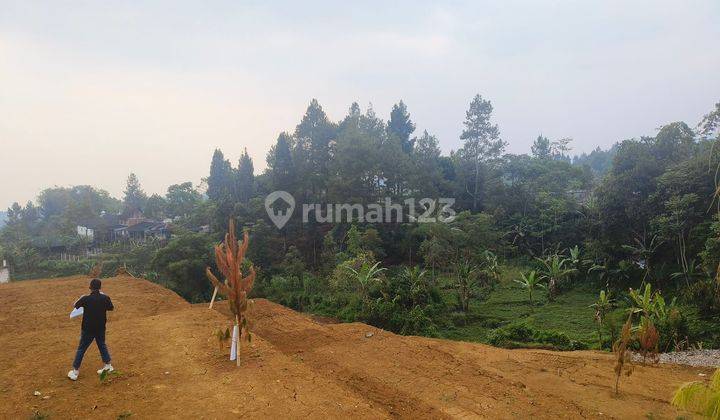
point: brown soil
(171, 366)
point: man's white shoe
(107, 367)
(73, 374)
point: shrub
(700, 397)
(521, 334)
(673, 329)
(55, 268)
(181, 266)
(343, 279)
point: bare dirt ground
(171, 366)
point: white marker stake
(213, 298)
(234, 346)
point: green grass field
(570, 313)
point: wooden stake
(213, 298)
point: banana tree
(491, 266)
(365, 276)
(530, 283)
(619, 275)
(554, 271)
(644, 251)
(691, 274)
(646, 303)
(702, 397)
(603, 305)
(575, 258)
(418, 282)
(466, 274)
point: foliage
(642, 211)
(554, 271)
(181, 265)
(482, 144)
(364, 277)
(523, 335)
(602, 307)
(700, 397)
(407, 302)
(530, 283)
(135, 198)
(55, 268)
(220, 182)
(344, 278)
(466, 283)
(106, 376)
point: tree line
(644, 210)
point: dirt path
(172, 366)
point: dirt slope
(172, 367)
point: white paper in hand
(77, 312)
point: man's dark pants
(86, 338)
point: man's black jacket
(95, 305)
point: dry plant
(223, 337)
(123, 271)
(623, 356)
(96, 270)
(229, 257)
(648, 339)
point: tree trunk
(477, 179)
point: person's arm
(80, 302)
(110, 306)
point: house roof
(145, 226)
(110, 219)
(103, 221)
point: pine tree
(541, 147)
(401, 126)
(245, 178)
(280, 164)
(220, 181)
(135, 198)
(482, 143)
(313, 148)
(426, 176)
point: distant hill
(3, 217)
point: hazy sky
(91, 91)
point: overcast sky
(91, 91)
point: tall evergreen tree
(401, 126)
(134, 198)
(245, 178)
(541, 147)
(280, 163)
(360, 165)
(220, 181)
(427, 175)
(313, 149)
(482, 144)
(14, 212)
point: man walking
(95, 305)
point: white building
(85, 232)
(4, 272)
